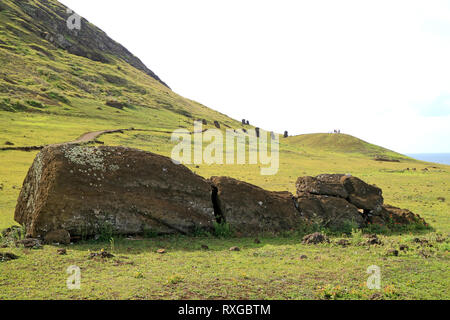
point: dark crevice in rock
(215, 201)
(297, 208)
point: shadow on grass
(124, 245)
(121, 245)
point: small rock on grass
(373, 239)
(315, 238)
(30, 243)
(61, 251)
(102, 254)
(205, 247)
(422, 242)
(425, 254)
(376, 296)
(404, 247)
(7, 256)
(257, 241)
(343, 242)
(392, 252)
(161, 251)
(303, 257)
(235, 249)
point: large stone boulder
(331, 212)
(357, 192)
(392, 216)
(249, 209)
(90, 190)
(324, 184)
(363, 195)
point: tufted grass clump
(357, 236)
(223, 230)
(106, 232)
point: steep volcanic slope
(48, 20)
(47, 69)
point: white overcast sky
(379, 70)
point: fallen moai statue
(80, 190)
(85, 189)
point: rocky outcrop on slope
(49, 20)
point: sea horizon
(441, 158)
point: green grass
(343, 143)
(269, 270)
(55, 97)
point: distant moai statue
(204, 122)
(247, 123)
(243, 121)
(217, 124)
(257, 132)
(286, 134)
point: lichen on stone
(86, 156)
(114, 167)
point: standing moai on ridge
(257, 132)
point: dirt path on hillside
(84, 138)
(91, 136)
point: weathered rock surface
(390, 215)
(332, 212)
(324, 184)
(363, 195)
(86, 190)
(250, 209)
(57, 236)
(334, 200)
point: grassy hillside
(342, 143)
(49, 94)
(54, 88)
